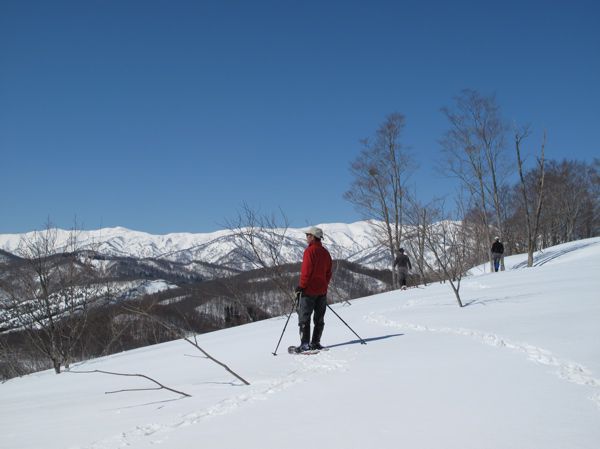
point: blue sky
(166, 116)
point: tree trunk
(56, 365)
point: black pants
(402, 275)
(306, 307)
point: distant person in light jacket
(497, 253)
(312, 287)
(403, 263)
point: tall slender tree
(475, 149)
(532, 214)
(378, 189)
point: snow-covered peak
(344, 240)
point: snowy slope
(518, 367)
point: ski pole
(286, 323)
(361, 340)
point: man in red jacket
(312, 290)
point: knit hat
(317, 232)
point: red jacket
(316, 270)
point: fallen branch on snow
(160, 386)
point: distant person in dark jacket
(315, 275)
(402, 262)
(497, 253)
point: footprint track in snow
(566, 370)
(157, 434)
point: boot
(304, 333)
(316, 337)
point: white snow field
(517, 368)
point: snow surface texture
(518, 367)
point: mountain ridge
(354, 242)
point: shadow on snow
(367, 340)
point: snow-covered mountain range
(354, 242)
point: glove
(299, 290)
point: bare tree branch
(182, 335)
(160, 386)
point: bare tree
(532, 217)
(50, 292)
(595, 194)
(474, 146)
(262, 241)
(571, 202)
(415, 237)
(378, 190)
(449, 244)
